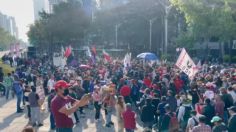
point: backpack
(187, 113)
(195, 121)
(174, 124)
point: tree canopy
(208, 18)
(6, 39)
(66, 25)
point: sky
(23, 12)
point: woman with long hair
(120, 108)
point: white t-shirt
(51, 84)
(209, 94)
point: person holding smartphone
(63, 106)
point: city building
(39, 6)
(109, 4)
(52, 3)
(8, 23)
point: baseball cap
(232, 108)
(215, 119)
(61, 84)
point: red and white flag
(106, 56)
(186, 64)
(68, 52)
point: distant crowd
(159, 96)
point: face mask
(66, 92)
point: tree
(208, 19)
(6, 39)
(134, 28)
(66, 25)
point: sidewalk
(10, 121)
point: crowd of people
(161, 96)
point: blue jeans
(64, 130)
(52, 121)
(7, 92)
(129, 130)
(108, 115)
(19, 98)
(226, 117)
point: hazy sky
(23, 12)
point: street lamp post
(150, 32)
(116, 30)
(167, 10)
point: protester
(73, 94)
(8, 83)
(147, 114)
(232, 119)
(169, 123)
(192, 121)
(208, 111)
(202, 127)
(120, 108)
(51, 118)
(129, 118)
(184, 113)
(26, 96)
(17, 87)
(97, 98)
(228, 101)
(62, 107)
(35, 108)
(171, 100)
(219, 106)
(109, 104)
(218, 125)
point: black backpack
(195, 121)
(187, 113)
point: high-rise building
(109, 4)
(39, 6)
(8, 23)
(52, 3)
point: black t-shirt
(219, 128)
(232, 124)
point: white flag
(127, 60)
(186, 64)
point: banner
(106, 56)
(127, 60)
(186, 64)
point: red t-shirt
(62, 120)
(129, 119)
(147, 82)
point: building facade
(8, 23)
(52, 3)
(39, 6)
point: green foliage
(134, 29)
(226, 58)
(207, 19)
(5, 39)
(67, 25)
(234, 59)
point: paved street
(10, 121)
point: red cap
(61, 84)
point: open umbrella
(147, 56)
(85, 66)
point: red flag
(68, 52)
(93, 49)
(106, 56)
